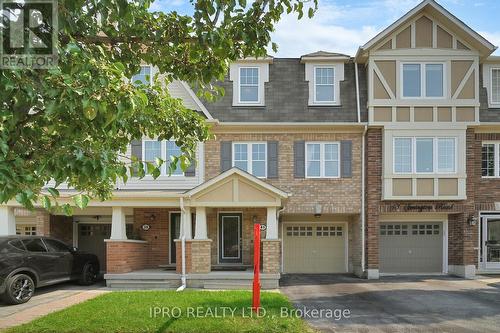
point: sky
(344, 25)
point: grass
(134, 311)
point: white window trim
(435, 156)
(258, 86)
(496, 158)
(422, 79)
(163, 156)
(250, 156)
(492, 102)
(322, 159)
(150, 74)
(334, 101)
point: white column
(272, 224)
(118, 224)
(186, 223)
(201, 223)
(7, 221)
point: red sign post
(256, 267)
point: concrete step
(143, 284)
(228, 285)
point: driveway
(47, 300)
(397, 304)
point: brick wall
(157, 236)
(271, 256)
(61, 227)
(373, 194)
(126, 256)
(335, 195)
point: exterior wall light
(317, 210)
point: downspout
(183, 250)
(363, 218)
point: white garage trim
(86, 219)
(413, 218)
(345, 226)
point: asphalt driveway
(397, 304)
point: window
(490, 159)
(55, 246)
(144, 76)
(393, 230)
(322, 160)
(249, 85)
(324, 91)
(26, 230)
(34, 245)
(423, 80)
(251, 157)
(153, 149)
(495, 86)
(427, 152)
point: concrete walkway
(398, 304)
(47, 300)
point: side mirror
(73, 249)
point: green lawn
(194, 311)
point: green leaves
(81, 201)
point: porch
(161, 278)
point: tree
(72, 124)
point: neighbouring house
(383, 163)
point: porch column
(201, 223)
(7, 221)
(186, 223)
(118, 224)
(272, 224)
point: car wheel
(88, 276)
(20, 289)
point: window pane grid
(249, 84)
(424, 155)
(495, 85)
(402, 155)
(488, 168)
(423, 80)
(143, 76)
(251, 157)
(153, 149)
(174, 150)
(322, 160)
(446, 155)
(324, 84)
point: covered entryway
(411, 247)
(315, 247)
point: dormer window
(324, 86)
(249, 85)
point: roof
(439, 11)
(325, 54)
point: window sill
(324, 104)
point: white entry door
(491, 242)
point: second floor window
(495, 86)
(249, 85)
(251, 157)
(423, 80)
(164, 150)
(490, 159)
(424, 155)
(322, 160)
(144, 76)
(324, 90)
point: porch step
(228, 284)
(142, 284)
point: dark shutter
(137, 152)
(272, 159)
(299, 157)
(191, 171)
(226, 155)
(346, 159)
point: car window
(34, 245)
(55, 246)
(17, 244)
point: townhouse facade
(387, 162)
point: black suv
(29, 262)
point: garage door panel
(314, 248)
(411, 247)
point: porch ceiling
(235, 188)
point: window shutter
(191, 171)
(346, 159)
(226, 153)
(299, 156)
(272, 159)
(136, 150)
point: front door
(175, 229)
(491, 247)
(230, 230)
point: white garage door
(314, 248)
(411, 247)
